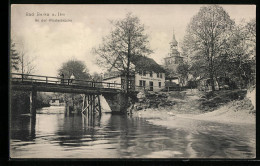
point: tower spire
(173, 34)
(174, 41)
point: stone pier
(118, 103)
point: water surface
(53, 133)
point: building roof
(172, 75)
(175, 51)
(147, 64)
(174, 41)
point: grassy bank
(226, 105)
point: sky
(49, 44)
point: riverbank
(222, 107)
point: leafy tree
(206, 36)
(237, 59)
(126, 41)
(78, 68)
(183, 70)
(250, 30)
(96, 77)
(14, 57)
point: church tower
(174, 46)
(173, 59)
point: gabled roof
(147, 64)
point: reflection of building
(147, 75)
(172, 61)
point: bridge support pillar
(33, 97)
(118, 103)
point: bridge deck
(49, 87)
(53, 84)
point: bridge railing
(63, 81)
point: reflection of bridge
(114, 93)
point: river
(57, 134)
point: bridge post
(91, 104)
(99, 105)
(33, 97)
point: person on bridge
(72, 77)
(62, 78)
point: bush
(212, 100)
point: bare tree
(20, 61)
(125, 42)
(26, 63)
(206, 36)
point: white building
(54, 102)
(147, 75)
(150, 80)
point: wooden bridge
(114, 93)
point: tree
(78, 68)
(125, 42)
(250, 30)
(22, 63)
(183, 71)
(20, 60)
(26, 63)
(96, 77)
(206, 36)
(237, 60)
(14, 57)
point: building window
(160, 84)
(122, 83)
(151, 85)
(158, 75)
(144, 73)
(141, 83)
(130, 84)
(151, 74)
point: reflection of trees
(133, 137)
(23, 127)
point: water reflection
(56, 134)
(23, 127)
